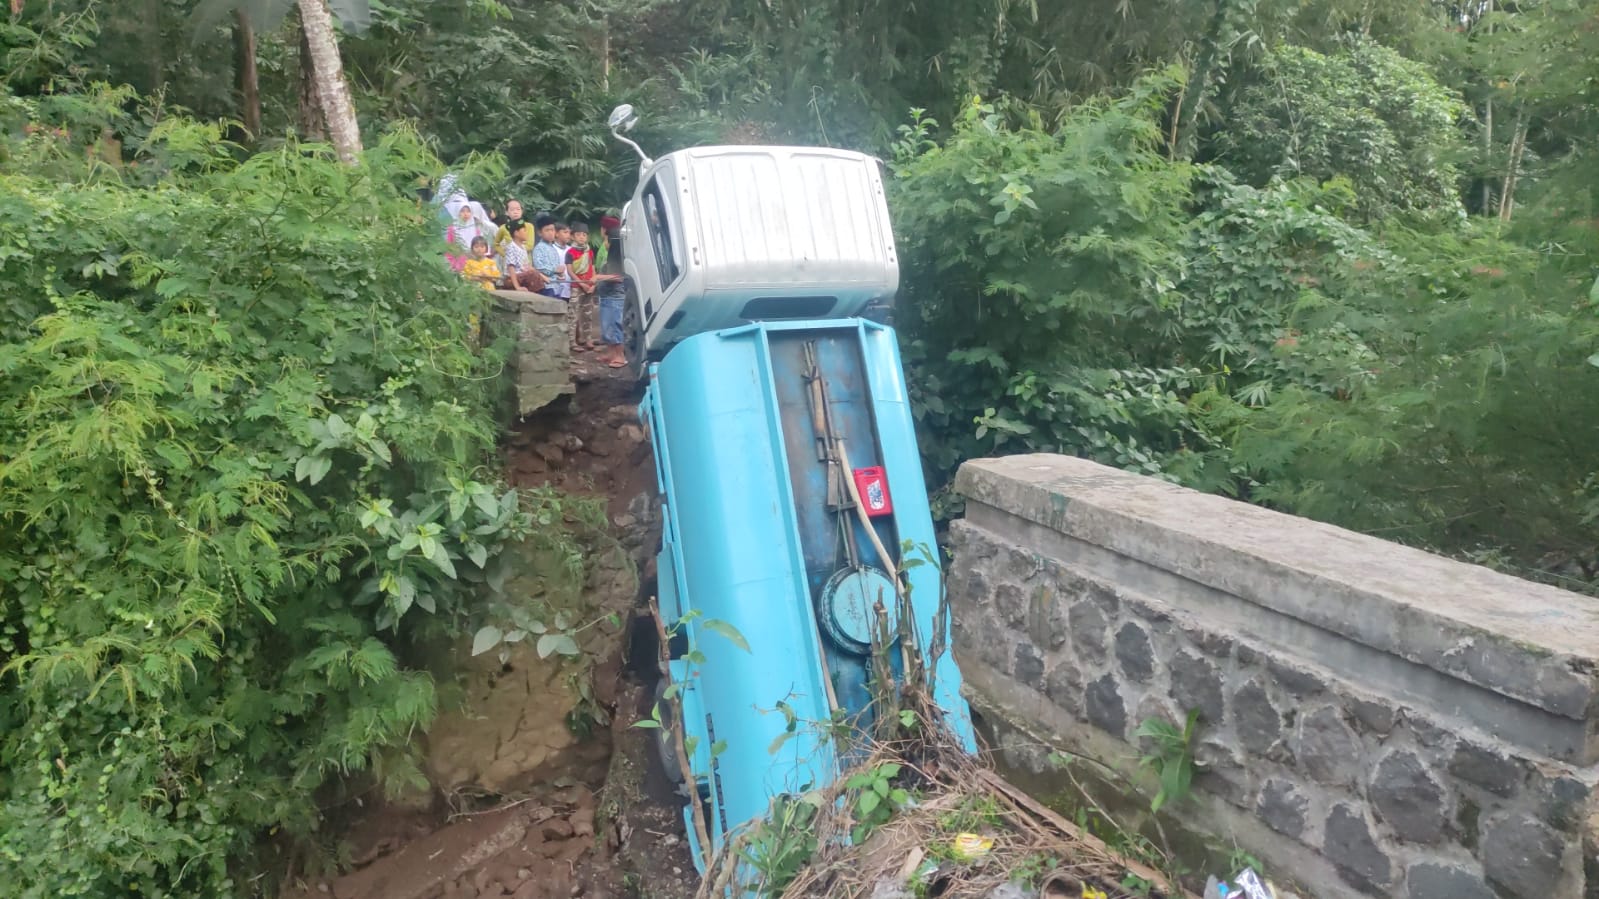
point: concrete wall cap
(521, 300)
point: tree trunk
(1518, 145)
(1176, 119)
(327, 77)
(246, 79)
(152, 37)
(1488, 129)
(1199, 82)
(313, 124)
(1487, 155)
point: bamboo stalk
(866, 520)
(1518, 145)
(906, 621)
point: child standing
(580, 262)
(608, 263)
(550, 261)
(460, 234)
(513, 218)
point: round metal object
(666, 736)
(847, 607)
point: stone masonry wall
(1375, 721)
(539, 370)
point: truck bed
(752, 538)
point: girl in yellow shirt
(481, 268)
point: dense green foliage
(1364, 113)
(1334, 256)
(1041, 261)
(1306, 319)
(243, 436)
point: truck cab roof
(725, 235)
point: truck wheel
(633, 334)
(666, 736)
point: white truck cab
(716, 237)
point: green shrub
(1037, 266)
(1364, 113)
(244, 464)
(1075, 291)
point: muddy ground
(525, 805)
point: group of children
(548, 257)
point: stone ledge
(1524, 641)
(521, 300)
(1373, 670)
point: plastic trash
(1253, 887)
(969, 847)
(1246, 885)
(1059, 885)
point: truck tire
(666, 737)
(633, 334)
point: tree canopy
(1338, 257)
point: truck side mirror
(623, 118)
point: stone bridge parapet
(1374, 720)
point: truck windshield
(660, 235)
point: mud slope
(524, 805)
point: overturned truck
(799, 595)
(792, 489)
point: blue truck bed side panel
(732, 513)
(903, 462)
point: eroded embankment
(538, 786)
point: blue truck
(793, 503)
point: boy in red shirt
(580, 262)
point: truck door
(662, 225)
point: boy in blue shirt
(551, 261)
